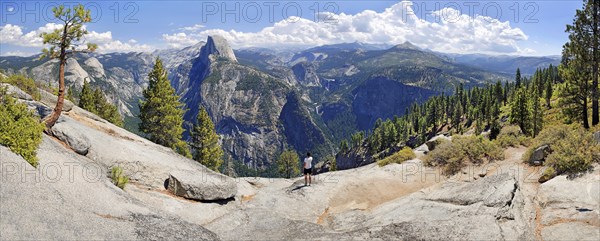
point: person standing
(307, 169)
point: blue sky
(493, 27)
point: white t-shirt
(308, 162)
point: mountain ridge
(327, 80)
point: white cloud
(179, 40)
(452, 32)
(14, 35)
(194, 28)
(98, 38)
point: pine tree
(100, 102)
(66, 39)
(95, 102)
(519, 110)
(578, 66)
(205, 142)
(161, 113)
(86, 98)
(498, 93)
(548, 92)
(112, 115)
(506, 92)
(518, 78)
(105, 109)
(456, 118)
(288, 164)
(537, 115)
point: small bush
(26, 84)
(118, 177)
(399, 157)
(572, 149)
(20, 129)
(511, 136)
(454, 155)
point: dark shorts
(307, 171)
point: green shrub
(26, 84)
(572, 149)
(453, 155)
(399, 157)
(118, 177)
(511, 136)
(20, 129)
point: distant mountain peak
(219, 47)
(407, 45)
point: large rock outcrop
(147, 163)
(68, 197)
(571, 207)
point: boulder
(597, 137)
(539, 155)
(205, 186)
(66, 130)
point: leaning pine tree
(63, 42)
(205, 142)
(161, 113)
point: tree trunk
(595, 39)
(61, 98)
(61, 84)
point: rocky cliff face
(217, 47)
(306, 75)
(246, 105)
(383, 98)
